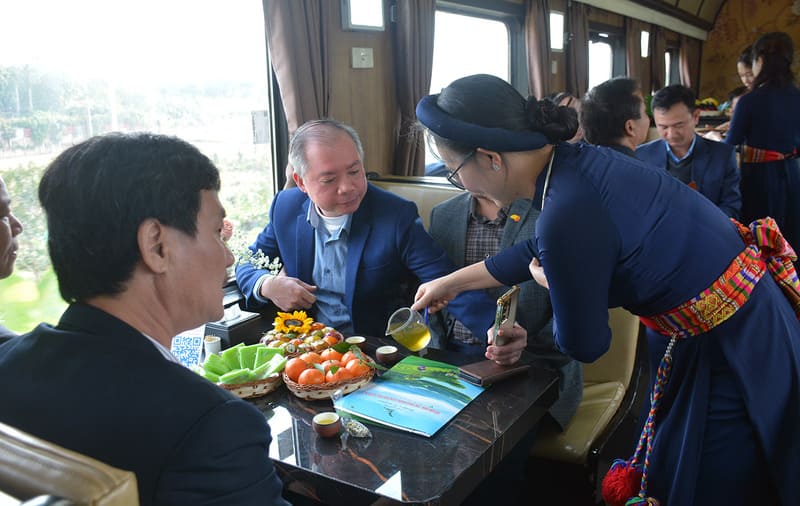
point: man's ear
(630, 128)
(298, 180)
(696, 116)
(151, 237)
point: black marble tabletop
(394, 466)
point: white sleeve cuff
(257, 289)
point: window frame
(616, 39)
(563, 31)
(513, 16)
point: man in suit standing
(134, 227)
(348, 248)
(707, 166)
(10, 228)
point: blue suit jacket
(387, 243)
(97, 386)
(714, 170)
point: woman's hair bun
(557, 122)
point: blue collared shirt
(688, 153)
(330, 271)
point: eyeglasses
(453, 176)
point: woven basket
(253, 389)
(324, 391)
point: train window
(197, 70)
(600, 62)
(362, 15)
(671, 66)
(457, 52)
(645, 43)
(556, 31)
(606, 54)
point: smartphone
(506, 314)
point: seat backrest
(31, 467)
(617, 364)
(425, 191)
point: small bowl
(327, 424)
(387, 355)
(359, 341)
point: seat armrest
(31, 467)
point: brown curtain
(577, 49)
(537, 44)
(658, 47)
(633, 48)
(689, 58)
(297, 37)
(413, 64)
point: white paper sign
(188, 346)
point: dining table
(393, 466)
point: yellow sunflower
(297, 322)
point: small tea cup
(327, 424)
(387, 355)
(359, 341)
(212, 344)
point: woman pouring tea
(615, 232)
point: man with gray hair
(347, 247)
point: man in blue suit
(707, 166)
(348, 248)
(134, 235)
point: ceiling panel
(701, 13)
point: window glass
(600, 63)
(465, 45)
(667, 67)
(556, 31)
(196, 69)
(645, 42)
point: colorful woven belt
(765, 251)
(757, 155)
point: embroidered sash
(757, 155)
(766, 251)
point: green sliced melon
(237, 376)
(216, 365)
(264, 354)
(231, 357)
(210, 376)
(275, 364)
(247, 355)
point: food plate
(324, 391)
(253, 389)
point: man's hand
(288, 293)
(516, 340)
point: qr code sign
(188, 347)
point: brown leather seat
(31, 467)
(605, 382)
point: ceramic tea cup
(359, 341)
(327, 424)
(387, 355)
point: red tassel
(621, 483)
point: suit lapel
(700, 161)
(456, 235)
(357, 239)
(304, 254)
(525, 219)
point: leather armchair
(31, 467)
